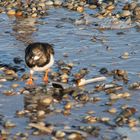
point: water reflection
(23, 29)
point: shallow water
(75, 41)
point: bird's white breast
(46, 66)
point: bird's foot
(45, 79)
(29, 82)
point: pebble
(119, 96)
(112, 110)
(58, 2)
(60, 134)
(74, 136)
(132, 122)
(18, 13)
(95, 99)
(66, 112)
(10, 72)
(137, 12)
(132, 5)
(36, 133)
(49, 3)
(41, 4)
(34, 15)
(64, 78)
(1, 10)
(25, 76)
(90, 112)
(90, 119)
(125, 115)
(41, 113)
(11, 12)
(103, 71)
(46, 101)
(26, 92)
(20, 113)
(105, 119)
(20, 134)
(125, 55)
(126, 13)
(135, 85)
(15, 85)
(80, 21)
(70, 6)
(110, 7)
(82, 97)
(68, 106)
(120, 75)
(9, 124)
(92, 6)
(80, 9)
(3, 80)
(121, 72)
(9, 92)
(31, 107)
(125, 95)
(66, 71)
(17, 60)
(100, 16)
(4, 133)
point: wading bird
(39, 57)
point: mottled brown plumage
(42, 50)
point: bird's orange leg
(45, 79)
(30, 80)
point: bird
(39, 56)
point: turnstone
(39, 57)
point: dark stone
(17, 60)
(103, 71)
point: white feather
(45, 67)
(36, 57)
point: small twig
(83, 82)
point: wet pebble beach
(94, 84)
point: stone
(49, 3)
(11, 12)
(126, 13)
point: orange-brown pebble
(110, 7)
(68, 106)
(80, 9)
(66, 112)
(19, 13)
